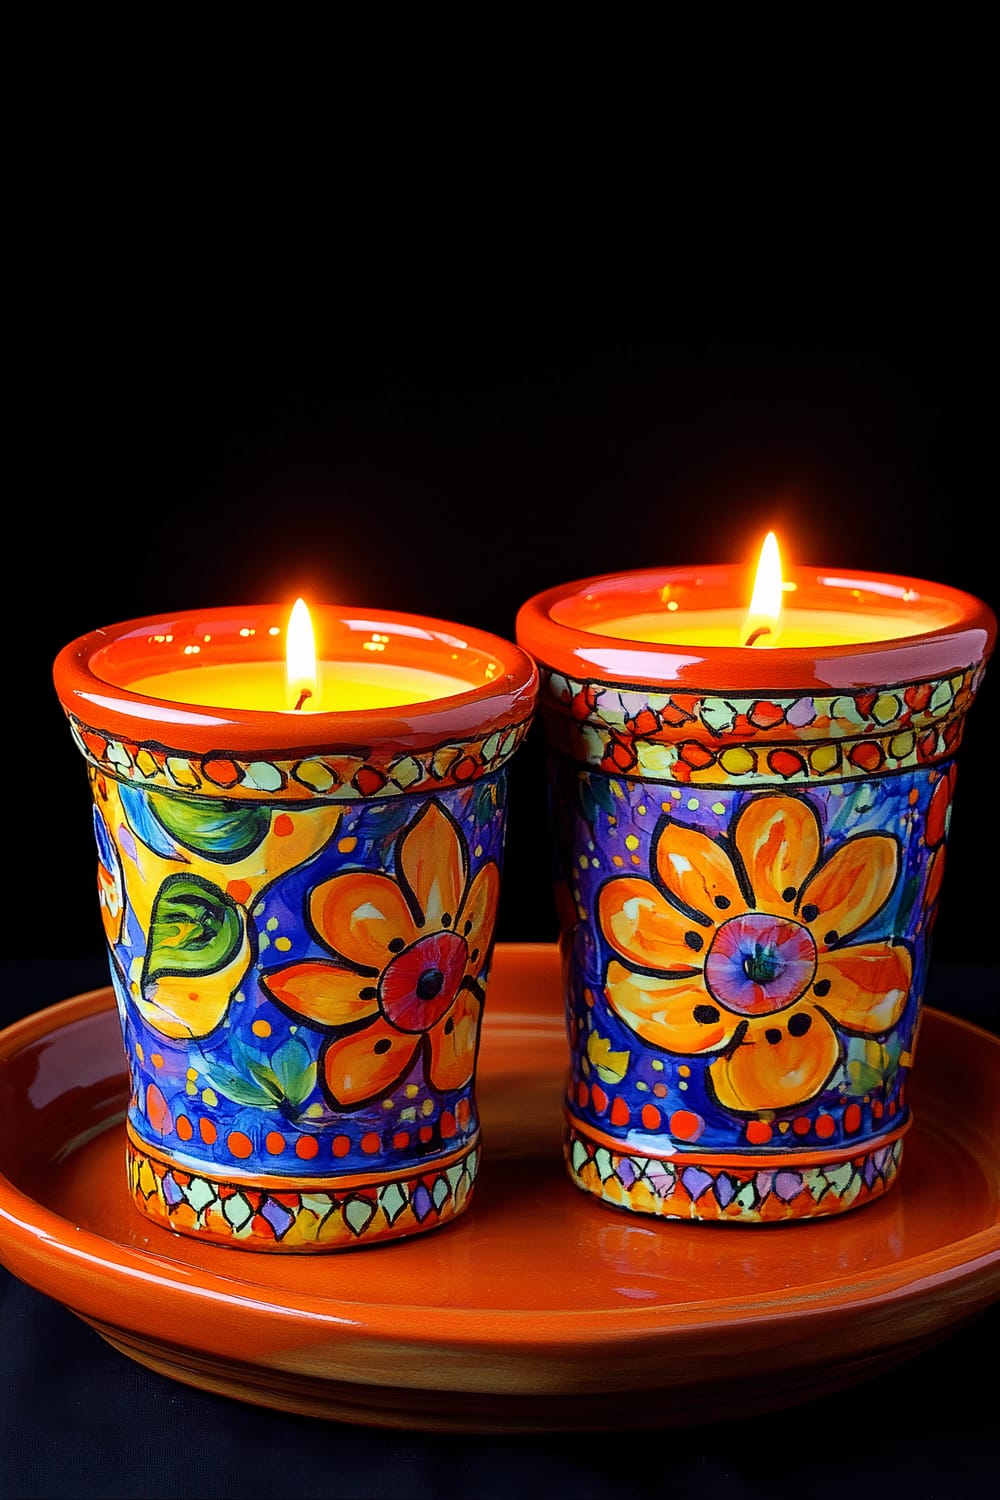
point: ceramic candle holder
(749, 845)
(299, 911)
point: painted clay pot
(299, 911)
(749, 846)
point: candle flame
(763, 618)
(300, 658)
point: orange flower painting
(743, 948)
(406, 969)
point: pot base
(758, 1190)
(299, 1215)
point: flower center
(763, 965)
(429, 984)
(759, 963)
(419, 985)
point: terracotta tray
(540, 1309)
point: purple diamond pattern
(278, 1217)
(763, 1195)
(696, 1181)
(171, 1192)
(725, 1192)
(626, 1172)
(788, 1185)
(421, 1203)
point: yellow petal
(640, 922)
(779, 842)
(868, 985)
(698, 871)
(295, 835)
(143, 871)
(611, 1065)
(183, 1005)
(358, 914)
(678, 1015)
(774, 1069)
(322, 993)
(851, 887)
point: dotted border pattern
(336, 776)
(691, 738)
(687, 1188)
(300, 1218)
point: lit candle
(749, 790)
(720, 625)
(300, 659)
(232, 667)
(820, 608)
(299, 868)
(294, 681)
(763, 622)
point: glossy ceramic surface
(941, 629)
(538, 1309)
(93, 676)
(747, 873)
(299, 911)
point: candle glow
(300, 658)
(297, 681)
(234, 819)
(763, 621)
(846, 617)
(806, 791)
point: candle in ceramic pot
(297, 682)
(840, 611)
(703, 625)
(721, 627)
(340, 686)
(299, 872)
(749, 808)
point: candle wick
(305, 693)
(756, 634)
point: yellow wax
(724, 627)
(261, 685)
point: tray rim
(38, 1239)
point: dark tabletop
(78, 1419)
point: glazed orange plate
(538, 1299)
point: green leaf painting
(484, 805)
(594, 792)
(240, 1090)
(287, 1076)
(195, 928)
(295, 1069)
(220, 831)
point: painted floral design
(404, 979)
(110, 887)
(740, 947)
(936, 835)
(177, 877)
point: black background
(222, 410)
(234, 378)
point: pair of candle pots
(300, 907)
